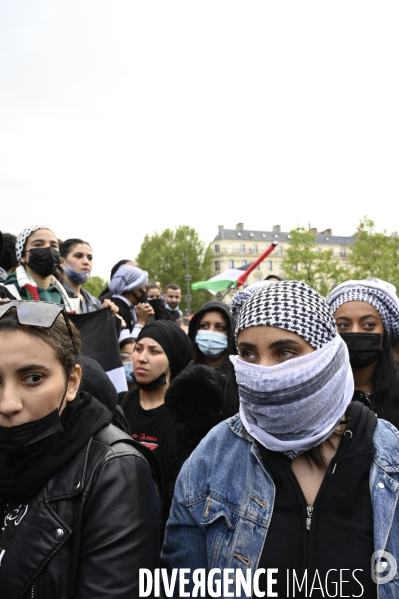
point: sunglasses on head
(37, 314)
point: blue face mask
(77, 277)
(211, 344)
(171, 309)
(128, 368)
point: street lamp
(187, 278)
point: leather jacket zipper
(309, 511)
(33, 591)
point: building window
(254, 249)
(217, 265)
(295, 266)
(343, 252)
(280, 250)
(231, 263)
(269, 264)
(242, 249)
(257, 279)
(229, 249)
(243, 262)
(217, 249)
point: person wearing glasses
(78, 504)
(127, 348)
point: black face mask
(364, 348)
(44, 261)
(142, 299)
(158, 382)
(156, 302)
(18, 440)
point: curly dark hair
(66, 345)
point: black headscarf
(174, 342)
(213, 306)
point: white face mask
(296, 405)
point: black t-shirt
(332, 543)
(153, 428)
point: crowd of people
(253, 436)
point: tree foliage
(163, 255)
(304, 262)
(95, 285)
(374, 254)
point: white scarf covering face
(296, 405)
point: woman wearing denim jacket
(301, 481)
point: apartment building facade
(235, 248)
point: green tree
(164, 254)
(95, 285)
(374, 254)
(303, 261)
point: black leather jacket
(90, 529)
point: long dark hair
(386, 385)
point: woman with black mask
(78, 506)
(367, 316)
(211, 330)
(38, 255)
(162, 350)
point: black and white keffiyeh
(379, 294)
(128, 278)
(23, 236)
(290, 305)
(296, 405)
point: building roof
(325, 238)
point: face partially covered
(80, 258)
(41, 238)
(153, 293)
(213, 321)
(173, 297)
(270, 346)
(358, 317)
(32, 379)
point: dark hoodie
(231, 403)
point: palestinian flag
(100, 342)
(222, 281)
(232, 277)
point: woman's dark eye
(287, 353)
(246, 354)
(33, 378)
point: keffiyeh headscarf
(23, 236)
(295, 405)
(128, 278)
(379, 294)
(290, 305)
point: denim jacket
(223, 503)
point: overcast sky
(120, 118)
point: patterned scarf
(290, 305)
(296, 405)
(25, 281)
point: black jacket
(230, 404)
(90, 529)
(124, 311)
